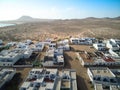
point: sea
(6, 24)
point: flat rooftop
(68, 79)
(114, 87)
(101, 71)
(98, 87)
(5, 74)
(86, 58)
(42, 79)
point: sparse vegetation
(99, 28)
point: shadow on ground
(81, 83)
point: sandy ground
(99, 28)
(72, 62)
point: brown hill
(90, 27)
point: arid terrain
(58, 29)
(89, 27)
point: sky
(58, 9)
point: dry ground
(82, 48)
(18, 79)
(105, 28)
(72, 62)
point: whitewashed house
(5, 76)
(74, 40)
(53, 58)
(8, 58)
(50, 79)
(38, 47)
(27, 53)
(60, 60)
(28, 42)
(101, 75)
(11, 43)
(58, 52)
(40, 79)
(117, 41)
(82, 41)
(64, 47)
(86, 41)
(99, 46)
(111, 44)
(63, 44)
(114, 53)
(103, 87)
(22, 45)
(47, 41)
(52, 45)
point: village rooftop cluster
(100, 57)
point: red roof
(108, 59)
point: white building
(114, 48)
(83, 41)
(49, 58)
(101, 75)
(21, 45)
(111, 44)
(50, 79)
(60, 60)
(117, 41)
(28, 42)
(103, 87)
(115, 53)
(40, 79)
(68, 80)
(11, 43)
(10, 57)
(38, 47)
(58, 52)
(6, 75)
(63, 44)
(52, 45)
(74, 40)
(27, 53)
(53, 58)
(99, 46)
(87, 59)
(65, 47)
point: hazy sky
(56, 9)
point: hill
(25, 18)
(89, 27)
(31, 19)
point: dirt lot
(87, 48)
(105, 28)
(72, 62)
(18, 79)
